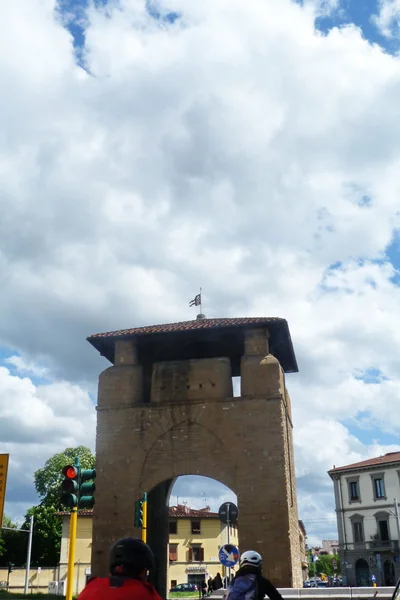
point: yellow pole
(71, 552)
(144, 522)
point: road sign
(228, 555)
(3, 482)
(228, 512)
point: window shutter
(173, 552)
(201, 554)
(190, 554)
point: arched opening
(362, 573)
(389, 573)
(186, 532)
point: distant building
(368, 529)
(195, 537)
(330, 546)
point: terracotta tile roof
(387, 459)
(188, 326)
(148, 338)
(180, 511)
(184, 512)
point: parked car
(184, 587)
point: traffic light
(70, 486)
(10, 567)
(86, 488)
(139, 513)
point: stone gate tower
(166, 408)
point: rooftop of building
(200, 338)
(386, 459)
(180, 511)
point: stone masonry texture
(192, 425)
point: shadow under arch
(206, 455)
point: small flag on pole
(196, 301)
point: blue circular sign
(228, 555)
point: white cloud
(238, 149)
(22, 366)
(388, 18)
(35, 423)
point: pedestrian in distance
(130, 561)
(204, 589)
(249, 583)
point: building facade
(303, 550)
(365, 494)
(195, 537)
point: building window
(173, 552)
(379, 487)
(358, 532)
(196, 528)
(354, 490)
(173, 527)
(383, 528)
(196, 553)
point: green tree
(46, 543)
(324, 564)
(48, 478)
(13, 544)
(47, 524)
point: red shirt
(102, 588)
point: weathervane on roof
(197, 302)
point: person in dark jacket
(249, 577)
(130, 561)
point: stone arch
(188, 448)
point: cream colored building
(365, 494)
(195, 537)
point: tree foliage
(46, 543)
(325, 564)
(48, 478)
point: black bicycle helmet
(131, 553)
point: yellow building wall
(38, 579)
(83, 552)
(213, 534)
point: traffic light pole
(28, 555)
(144, 524)
(73, 518)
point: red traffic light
(70, 472)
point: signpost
(228, 555)
(228, 513)
(3, 482)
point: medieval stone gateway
(166, 408)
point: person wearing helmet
(249, 583)
(130, 561)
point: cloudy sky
(251, 147)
